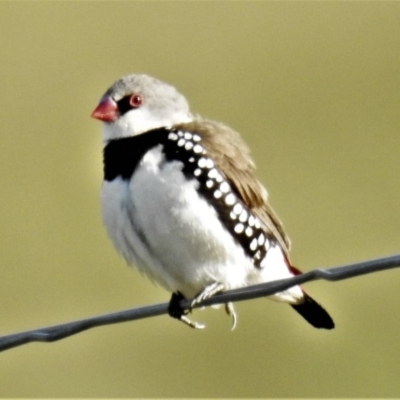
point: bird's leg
(176, 311)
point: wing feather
(232, 156)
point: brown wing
(232, 156)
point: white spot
(239, 228)
(188, 145)
(224, 187)
(181, 142)
(191, 159)
(219, 178)
(243, 216)
(266, 245)
(251, 220)
(230, 199)
(210, 163)
(197, 172)
(253, 244)
(257, 255)
(196, 138)
(173, 136)
(210, 183)
(198, 149)
(233, 215)
(202, 162)
(238, 208)
(261, 239)
(217, 194)
(249, 231)
(187, 135)
(213, 173)
(180, 134)
(257, 223)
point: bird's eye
(135, 100)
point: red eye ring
(135, 100)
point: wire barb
(58, 332)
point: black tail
(312, 312)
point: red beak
(106, 111)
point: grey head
(137, 103)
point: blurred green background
(314, 88)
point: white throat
(140, 121)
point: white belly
(158, 222)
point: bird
(181, 202)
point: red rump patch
(294, 270)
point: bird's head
(135, 104)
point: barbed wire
(58, 332)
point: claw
(192, 324)
(230, 310)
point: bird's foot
(207, 292)
(176, 311)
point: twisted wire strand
(58, 332)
